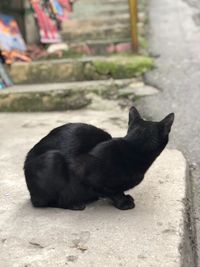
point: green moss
(105, 67)
(118, 66)
(124, 67)
(30, 102)
(143, 42)
(26, 103)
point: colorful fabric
(57, 9)
(12, 45)
(47, 27)
(10, 36)
(61, 8)
(49, 15)
(66, 6)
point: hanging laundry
(49, 15)
(57, 9)
(62, 9)
(12, 45)
(47, 26)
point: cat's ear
(167, 123)
(134, 115)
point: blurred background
(88, 61)
(56, 42)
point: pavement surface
(174, 37)
(151, 235)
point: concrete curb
(114, 31)
(69, 96)
(80, 69)
(148, 236)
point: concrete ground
(151, 235)
(176, 43)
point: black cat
(78, 163)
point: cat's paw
(125, 203)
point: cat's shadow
(98, 207)
(102, 207)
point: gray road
(175, 38)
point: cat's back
(70, 139)
(112, 152)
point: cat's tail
(46, 175)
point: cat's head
(148, 136)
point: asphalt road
(174, 38)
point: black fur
(78, 163)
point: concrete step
(97, 12)
(93, 20)
(104, 1)
(70, 96)
(151, 235)
(63, 96)
(101, 47)
(96, 9)
(92, 23)
(112, 31)
(91, 30)
(80, 69)
(74, 95)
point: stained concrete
(174, 38)
(71, 96)
(80, 69)
(148, 236)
